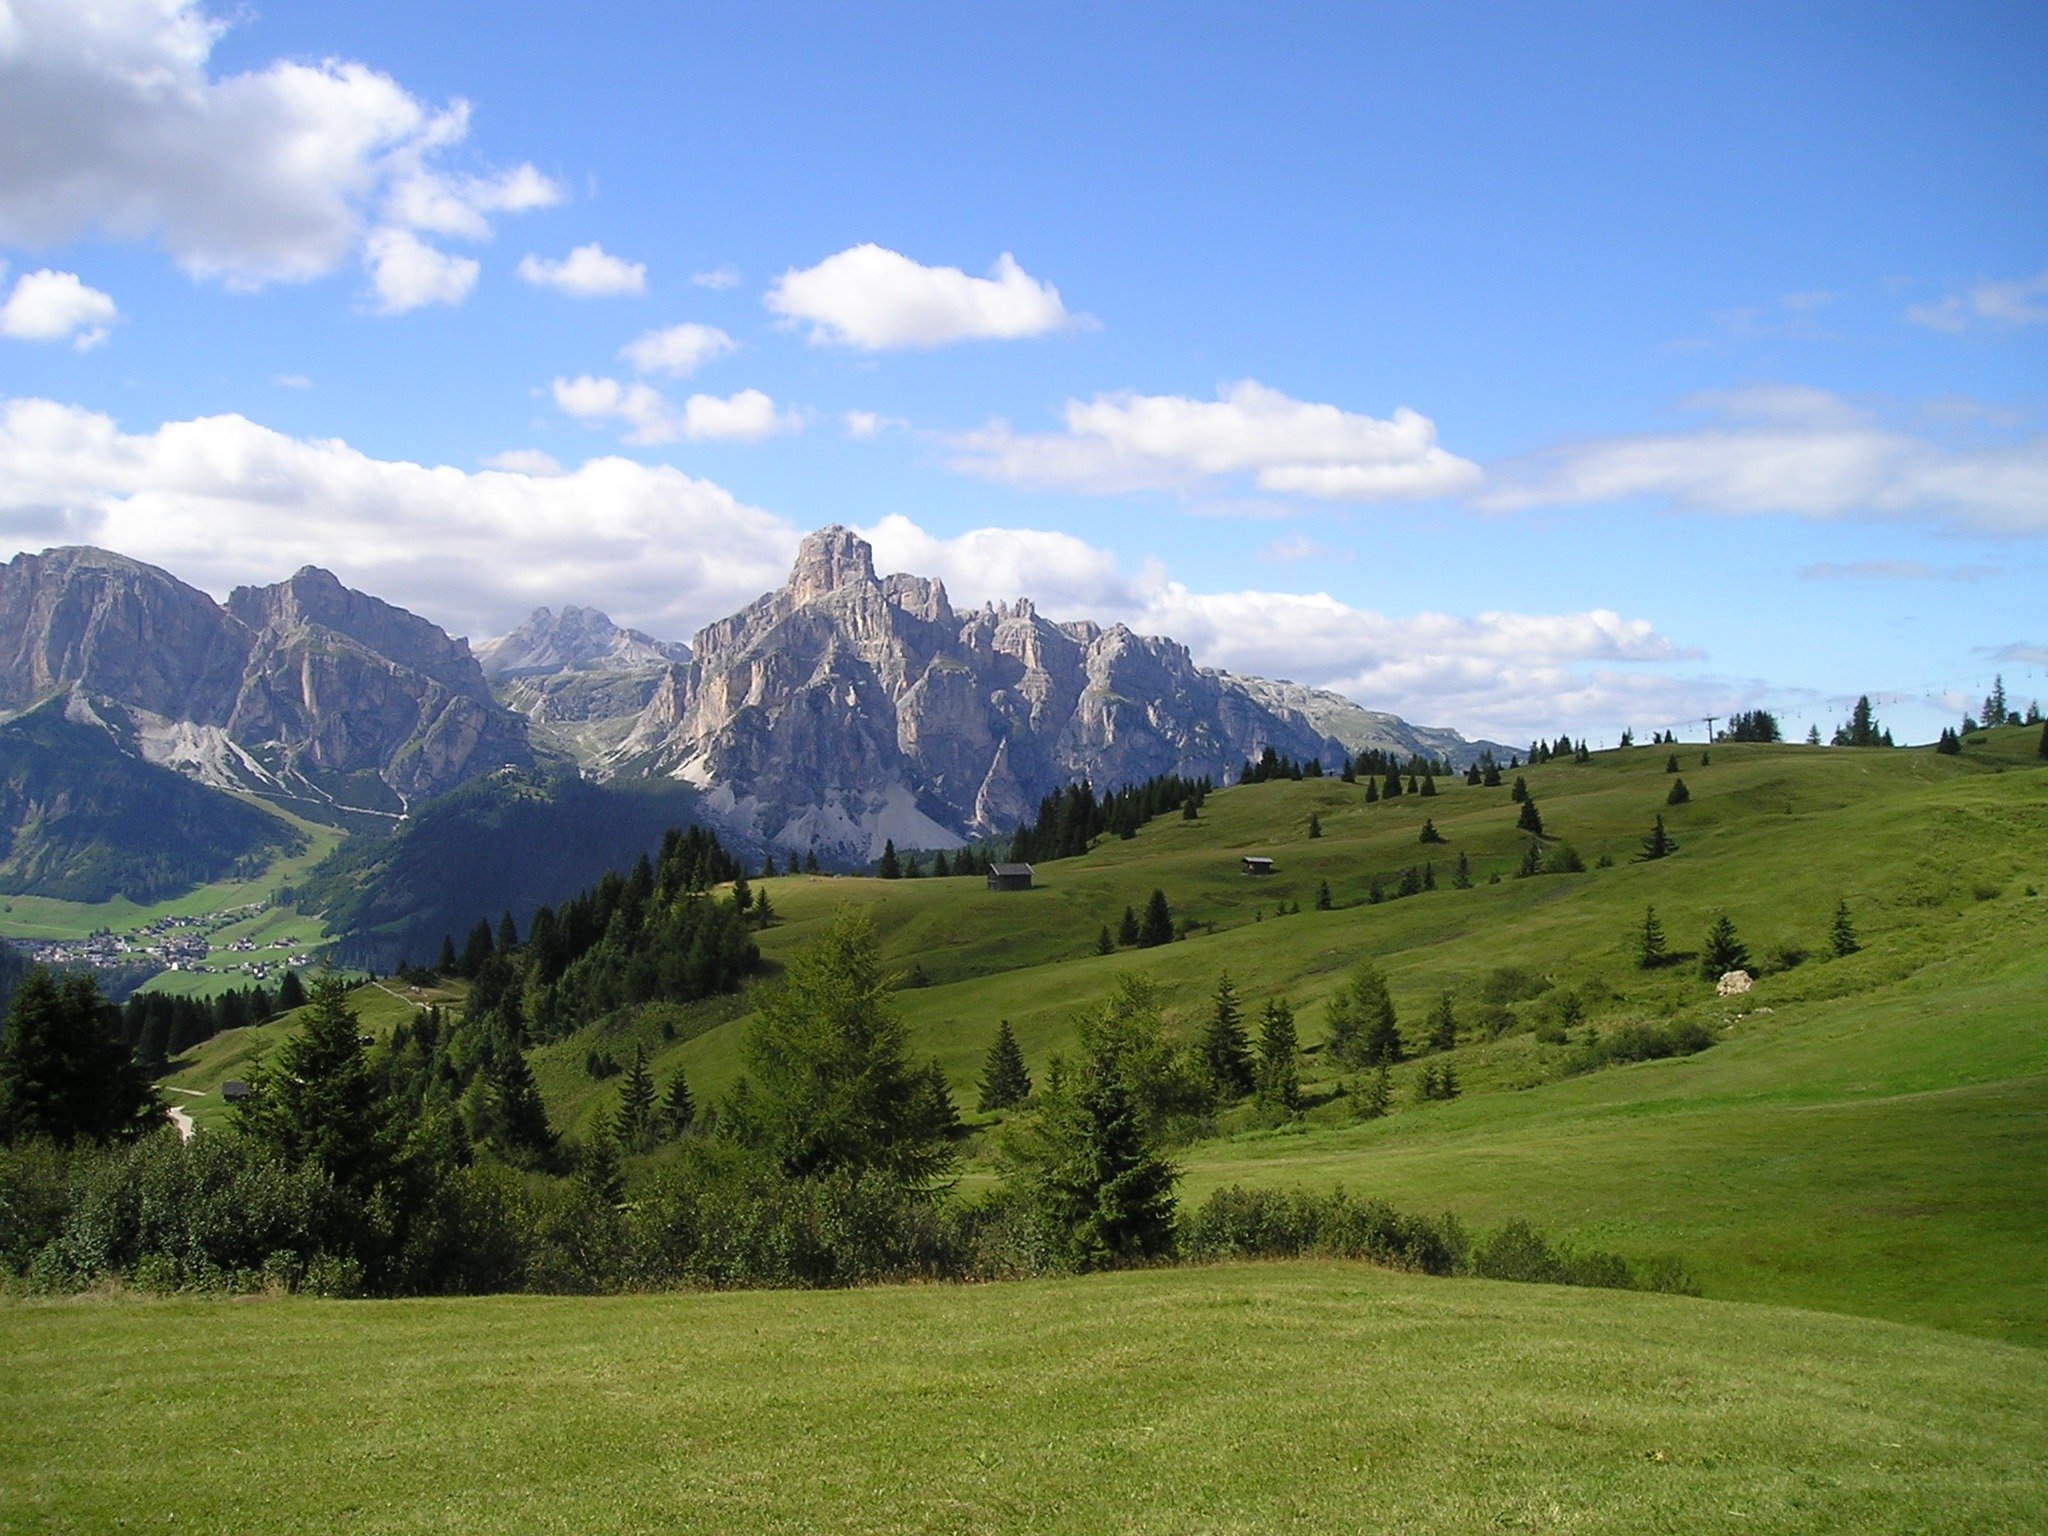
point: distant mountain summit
(574, 640)
(845, 708)
(303, 690)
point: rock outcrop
(305, 689)
(845, 708)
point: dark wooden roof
(1009, 869)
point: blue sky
(1513, 368)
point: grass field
(1312, 1396)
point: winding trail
(178, 1117)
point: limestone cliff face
(845, 708)
(305, 688)
(574, 640)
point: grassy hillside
(82, 821)
(1318, 1397)
(1862, 1136)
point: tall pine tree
(1226, 1052)
(1005, 1082)
(1279, 1072)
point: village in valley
(193, 942)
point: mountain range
(842, 709)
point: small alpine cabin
(1255, 865)
(1009, 877)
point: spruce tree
(520, 1128)
(1322, 896)
(1429, 784)
(891, 867)
(65, 1075)
(1127, 930)
(1315, 824)
(597, 1169)
(315, 1101)
(1530, 821)
(508, 934)
(1658, 844)
(634, 1124)
(1430, 833)
(937, 1116)
(678, 1106)
(1520, 792)
(1443, 1024)
(1105, 941)
(1671, 763)
(1005, 1083)
(1461, 878)
(1279, 1072)
(1843, 937)
(1391, 789)
(1650, 951)
(446, 963)
(480, 948)
(1092, 1170)
(1723, 951)
(1372, 791)
(1532, 861)
(1679, 793)
(1226, 1053)
(1158, 925)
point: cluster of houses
(181, 943)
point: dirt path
(178, 1117)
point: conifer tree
(1005, 1082)
(634, 1125)
(2042, 749)
(445, 963)
(1679, 793)
(1650, 951)
(891, 867)
(519, 1127)
(1425, 1084)
(1706, 758)
(480, 948)
(1447, 1081)
(1532, 861)
(1315, 824)
(768, 869)
(1813, 735)
(1413, 787)
(1322, 896)
(935, 1113)
(1530, 820)
(1430, 833)
(1379, 1094)
(1391, 789)
(1428, 875)
(678, 1106)
(1189, 811)
(1372, 791)
(1127, 930)
(1443, 1024)
(1226, 1053)
(1843, 936)
(1671, 763)
(1375, 893)
(1948, 744)
(1157, 928)
(941, 865)
(1461, 878)
(1491, 777)
(1521, 790)
(1093, 1172)
(1723, 952)
(1279, 1072)
(316, 1102)
(810, 861)
(1429, 784)
(65, 1075)
(1658, 844)
(1105, 942)
(597, 1169)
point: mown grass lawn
(1309, 1396)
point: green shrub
(1638, 1040)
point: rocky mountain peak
(827, 560)
(576, 639)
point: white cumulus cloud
(678, 351)
(1127, 441)
(875, 299)
(221, 500)
(587, 272)
(113, 123)
(650, 418)
(524, 461)
(406, 273)
(1798, 451)
(56, 306)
